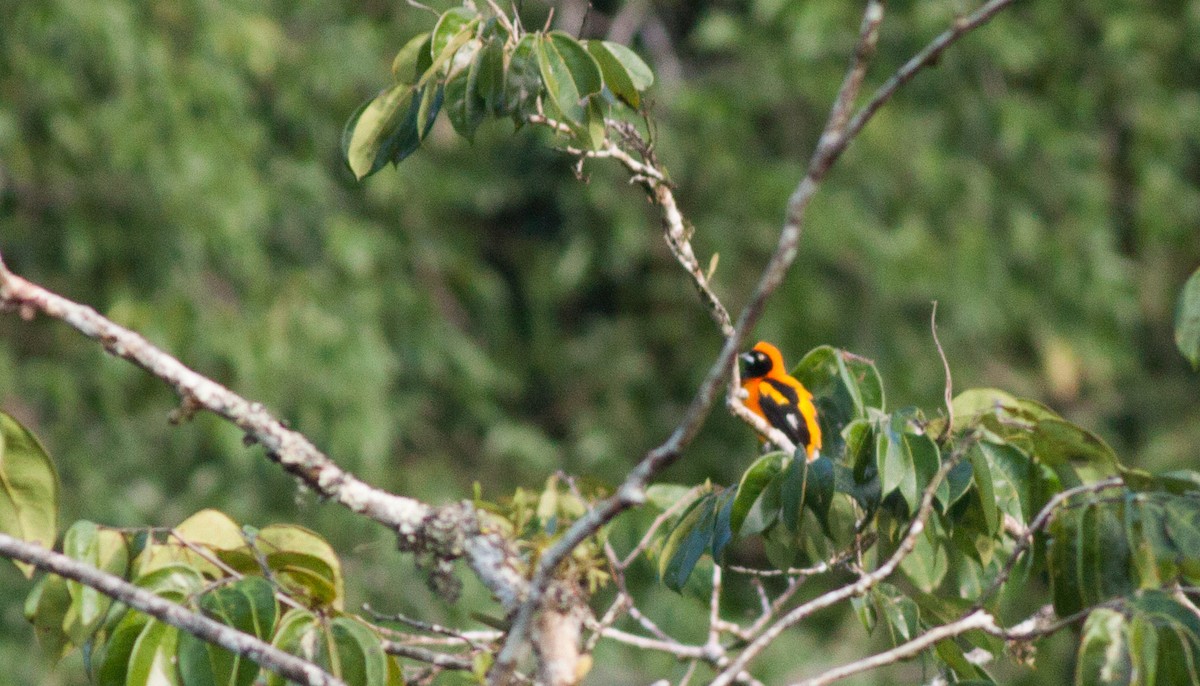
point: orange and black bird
(779, 398)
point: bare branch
(443, 660)
(493, 561)
(928, 56)
(194, 623)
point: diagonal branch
(250, 647)
(487, 553)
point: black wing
(779, 405)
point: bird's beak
(745, 359)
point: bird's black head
(755, 364)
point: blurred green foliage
(482, 314)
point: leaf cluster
(475, 66)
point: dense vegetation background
(480, 314)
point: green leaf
(1175, 648)
(1154, 555)
(982, 473)
(864, 608)
(722, 524)
(637, 70)
(427, 108)
(570, 74)
(404, 66)
(489, 80)
(750, 489)
(175, 578)
(616, 75)
(844, 386)
(927, 564)
(1059, 443)
(360, 660)
(303, 563)
(1143, 649)
(464, 106)
(1104, 650)
(907, 461)
(28, 488)
(689, 540)
(152, 660)
(297, 633)
(1187, 320)
(1182, 524)
(808, 484)
(247, 605)
(523, 79)
(452, 31)
(113, 664)
(364, 143)
(46, 608)
(103, 549)
(899, 612)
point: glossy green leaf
(404, 66)
(369, 130)
(113, 663)
(451, 32)
(152, 660)
(1182, 524)
(1104, 658)
(1154, 555)
(427, 108)
(46, 608)
(303, 562)
(1059, 444)
(570, 74)
(209, 530)
(865, 610)
(247, 605)
(899, 613)
(298, 633)
(722, 523)
(28, 488)
(103, 549)
(953, 656)
(1090, 557)
(1187, 320)
(616, 75)
(958, 482)
(175, 578)
(639, 73)
(843, 386)
(926, 566)
(908, 461)
(489, 79)
(360, 660)
(689, 540)
(749, 491)
(1174, 652)
(807, 484)
(664, 496)
(464, 106)
(982, 474)
(1143, 650)
(523, 79)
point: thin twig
(949, 389)
(443, 660)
